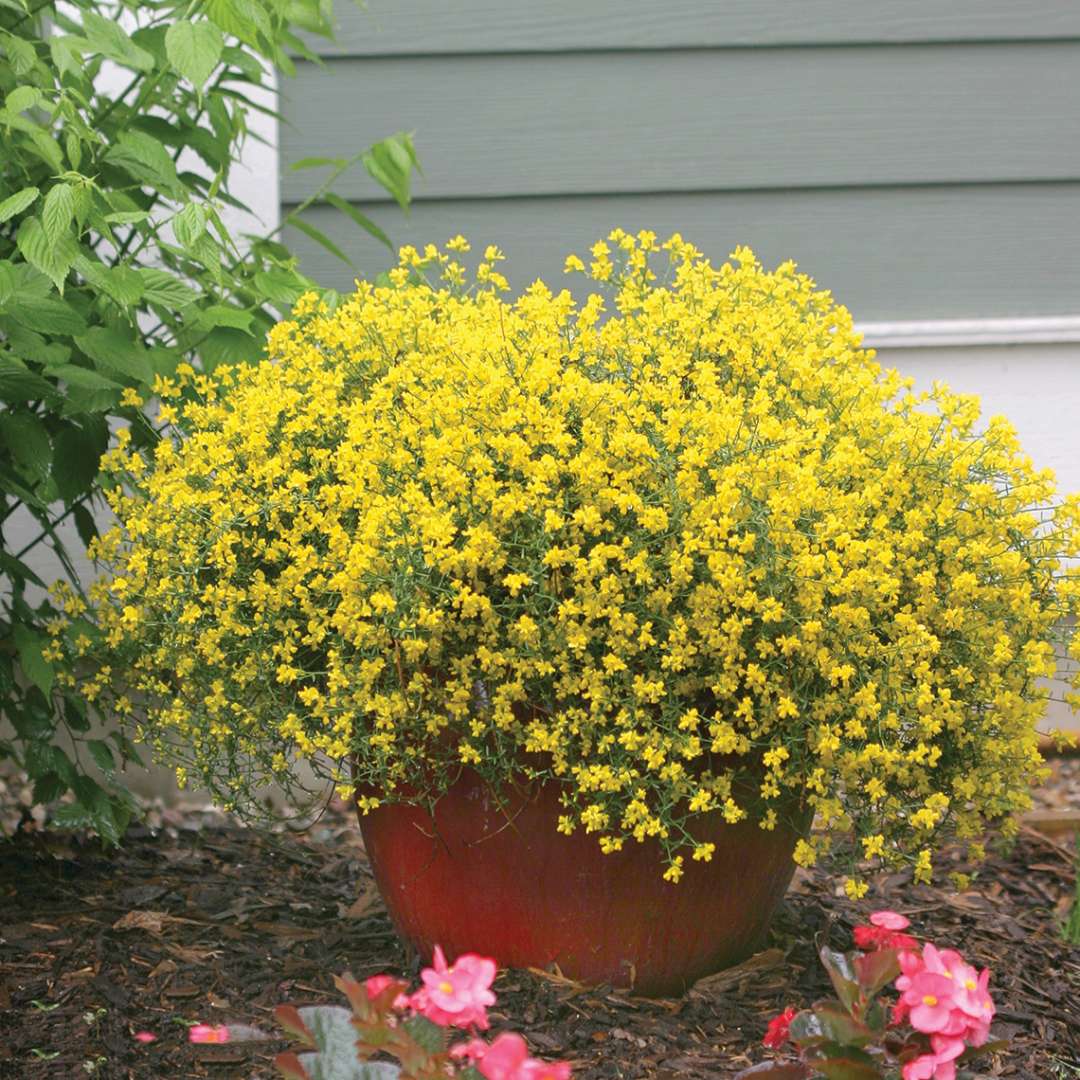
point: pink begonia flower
(930, 996)
(890, 920)
(145, 1037)
(875, 938)
(205, 1033)
(940, 1065)
(471, 1051)
(456, 994)
(378, 983)
(911, 963)
(507, 1058)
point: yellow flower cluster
(681, 548)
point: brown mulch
(197, 919)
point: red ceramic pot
(501, 881)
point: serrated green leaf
(126, 217)
(58, 211)
(27, 441)
(36, 668)
(362, 220)
(430, 1036)
(22, 98)
(279, 286)
(47, 788)
(161, 287)
(43, 758)
(227, 345)
(189, 225)
(85, 525)
(102, 755)
(52, 256)
(110, 39)
(65, 53)
(146, 160)
(243, 19)
(17, 203)
(194, 49)
(19, 52)
(123, 284)
(19, 383)
(117, 353)
(77, 450)
(84, 378)
(47, 148)
(48, 315)
(223, 315)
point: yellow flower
(669, 544)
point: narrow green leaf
(390, 163)
(319, 237)
(17, 203)
(194, 49)
(362, 220)
(318, 163)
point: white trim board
(913, 334)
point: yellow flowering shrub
(682, 548)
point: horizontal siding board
(389, 27)
(888, 253)
(698, 120)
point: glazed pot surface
(501, 881)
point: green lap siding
(920, 159)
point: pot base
(499, 880)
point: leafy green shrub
(115, 266)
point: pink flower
(471, 1051)
(940, 1065)
(890, 920)
(456, 995)
(507, 1058)
(145, 1037)
(930, 996)
(875, 938)
(911, 963)
(885, 933)
(204, 1033)
(378, 983)
(777, 1032)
